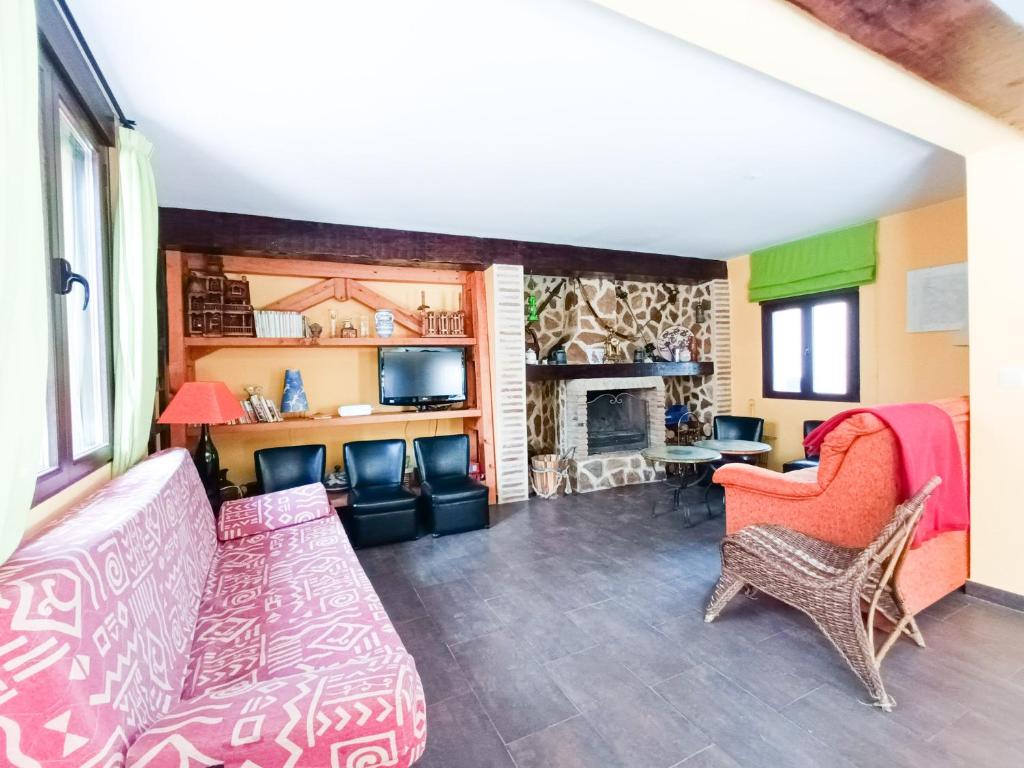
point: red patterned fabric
(129, 637)
(97, 614)
(271, 511)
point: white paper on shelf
(354, 410)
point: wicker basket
(548, 472)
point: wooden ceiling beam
(969, 48)
(232, 233)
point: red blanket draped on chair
(928, 447)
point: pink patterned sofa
(132, 633)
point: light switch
(1012, 378)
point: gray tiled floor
(570, 634)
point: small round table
(694, 463)
(730, 448)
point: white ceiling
(545, 120)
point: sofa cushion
(294, 663)
(382, 498)
(270, 511)
(97, 614)
(368, 711)
(293, 600)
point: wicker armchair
(831, 584)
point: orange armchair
(849, 497)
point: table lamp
(206, 403)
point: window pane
(787, 350)
(829, 351)
(86, 331)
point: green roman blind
(840, 259)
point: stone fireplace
(616, 421)
(604, 424)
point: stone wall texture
(657, 307)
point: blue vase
(294, 398)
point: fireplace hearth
(617, 420)
(603, 425)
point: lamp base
(208, 464)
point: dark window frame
(58, 92)
(805, 304)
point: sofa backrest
(97, 614)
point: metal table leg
(688, 476)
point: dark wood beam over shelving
(189, 230)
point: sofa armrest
(801, 484)
(368, 711)
(271, 511)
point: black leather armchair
(450, 500)
(289, 466)
(806, 461)
(380, 509)
(738, 428)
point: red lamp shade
(202, 402)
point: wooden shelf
(338, 280)
(608, 370)
(385, 417)
(229, 342)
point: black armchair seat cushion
(442, 490)
(793, 466)
(377, 499)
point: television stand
(438, 407)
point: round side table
(693, 461)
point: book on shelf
(271, 324)
(259, 405)
(249, 416)
(275, 415)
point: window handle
(65, 278)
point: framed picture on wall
(937, 298)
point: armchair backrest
(375, 462)
(290, 466)
(738, 428)
(895, 536)
(444, 456)
(810, 426)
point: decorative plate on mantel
(676, 336)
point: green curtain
(24, 340)
(841, 259)
(134, 291)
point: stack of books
(280, 325)
(258, 410)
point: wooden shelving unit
(340, 280)
(384, 417)
(199, 346)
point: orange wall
(332, 377)
(895, 365)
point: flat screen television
(422, 376)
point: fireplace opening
(616, 421)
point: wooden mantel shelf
(385, 417)
(615, 370)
